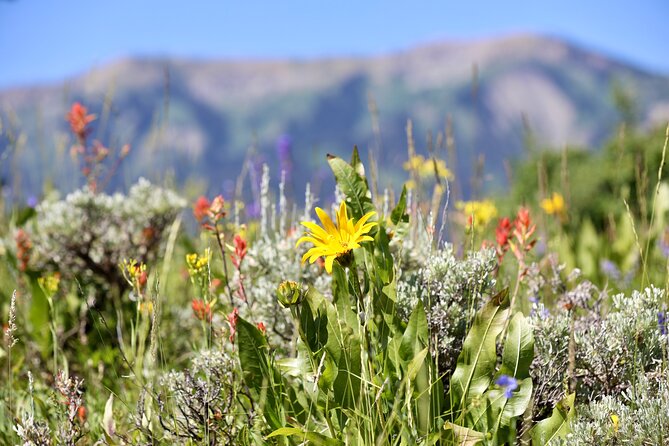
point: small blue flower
(610, 269)
(32, 201)
(662, 321)
(509, 383)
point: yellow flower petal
(327, 223)
(328, 264)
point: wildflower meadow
(371, 314)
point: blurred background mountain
(207, 119)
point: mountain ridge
(201, 116)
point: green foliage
(375, 377)
(481, 411)
(557, 426)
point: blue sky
(49, 40)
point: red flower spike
(201, 310)
(240, 251)
(79, 119)
(81, 414)
(232, 322)
(261, 327)
(201, 208)
(503, 232)
(216, 211)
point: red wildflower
(214, 284)
(79, 119)
(523, 231)
(523, 221)
(201, 310)
(23, 249)
(240, 251)
(148, 234)
(216, 211)
(81, 414)
(503, 231)
(201, 208)
(261, 327)
(232, 322)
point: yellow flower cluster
(478, 213)
(426, 168)
(49, 283)
(198, 263)
(132, 271)
(554, 204)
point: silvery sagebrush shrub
(66, 408)
(637, 416)
(87, 234)
(202, 403)
(612, 348)
(451, 291)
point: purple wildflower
(663, 243)
(509, 383)
(31, 202)
(662, 322)
(610, 269)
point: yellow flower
(615, 420)
(49, 283)
(414, 163)
(197, 263)
(554, 204)
(478, 213)
(427, 170)
(426, 167)
(333, 241)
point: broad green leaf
(588, 249)
(312, 437)
(354, 187)
(483, 414)
(476, 363)
(419, 370)
(399, 215)
(557, 426)
(415, 337)
(383, 259)
(356, 163)
(39, 316)
(108, 424)
(509, 408)
(464, 436)
(259, 374)
(518, 349)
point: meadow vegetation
(394, 317)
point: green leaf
(516, 360)
(399, 214)
(313, 437)
(463, 436)
(557, 426)
(108, 425)
(39, 316)
(518, 349)
(476, 363)
(383, 259)
(415, 336)
(356, 163)
(509, 408)
(354, 187)
(258, 372)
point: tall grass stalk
(652, 214)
